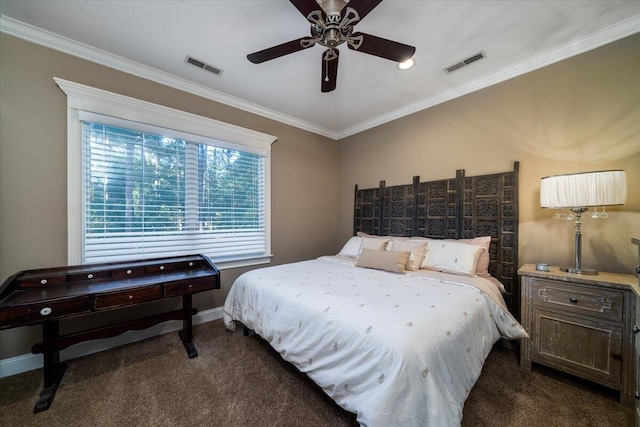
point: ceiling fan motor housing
(335, 30)
(331, 7)
(331, 37)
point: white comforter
(396, 349)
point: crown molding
(605, 36)
(71, 47)
(41, 37)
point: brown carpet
(241, 381)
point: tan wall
(582, 114)
(578, 115)
(33, 224)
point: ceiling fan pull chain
(326, 69)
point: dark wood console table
(47, 295)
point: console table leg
(186, 334)
(53, 369)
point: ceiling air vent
(473, 58)
(203, 65)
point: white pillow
(416, 248)
(483, 261)
(452, 257)
(351, 248)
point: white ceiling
(152, 38)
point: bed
(398, 346)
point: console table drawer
(175, 289)
(34, 313)
(590, 301)
(132, 296)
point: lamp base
(573, 270)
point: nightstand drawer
(587, 300)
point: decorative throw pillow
(374, 244)
(452, 257)
(392, 261)
(483, 261)
(484, 242)
(351, 248)
(416, 248)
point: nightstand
(582, 325)
(636, 331)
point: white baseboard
(28, 362)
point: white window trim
(92, 100)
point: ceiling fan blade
(363, 7)
(383, 48)
(329, 70)
(281, 50)
(306, 7)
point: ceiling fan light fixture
(409, 63)
(332, 24)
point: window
(163, 184)
(148, 195)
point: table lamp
(578, 192)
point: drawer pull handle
(635, 329)
(162, 267)
(190, 286)
(43, 281)
(90, 276)
(637, 394)
(45, 311)
(573, 300)
(129, 272)
(130, 296)
(190, 264)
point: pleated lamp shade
(583, 190)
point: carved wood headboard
(457, 208)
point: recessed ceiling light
(406, 64)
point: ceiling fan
(332, 23)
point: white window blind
(151, 194)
